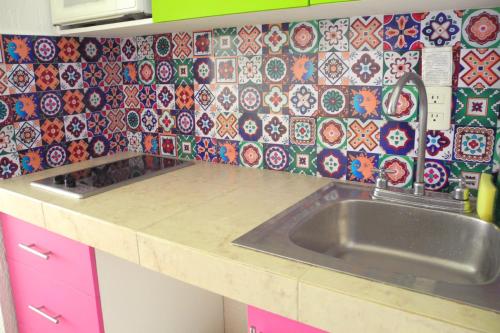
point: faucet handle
(461, 192)
(381, 181)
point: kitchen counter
(182, 223)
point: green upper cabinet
(318, 2)
(170, 10)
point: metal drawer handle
(38, 310)
(31, 249)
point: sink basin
(339, 227)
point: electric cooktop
(87, 182)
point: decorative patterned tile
(116, 121)
(402, 32)
(202, 43)
(184, 97)
(112, 74)
(480, 28)
(206, 149)
(275, 129)
(25, 107)
(166, 121)
(205, 123)
(31, 160)
(366, 33)
(164, 71)
(302, 160)
(134, 140)
(249, 70)
(7, 140)
(186, 147)
(226, 70)
(129, 49)
(401, 167)
(1, 51)
(99, 146)
(304, 69)
(90, 49)
(334, 35)
(304, 37)
(9, 166)
(183, 71)
(360, 166)
(4, 83)
(471, 172)
(129, 73)
(94, 99)
(332, 133)
(366, 102)
(364, 135)
(274, 38)
(146, 72)
(249, 40)
(250, 98)
(147, 97)
(496, 155)
(93, 74)
(275, 99)
(18, 49)
(275, 68)
(28, 134)
(168, 145)
(145, 47)
(303, 131)
(20, 78)
(480, 68)
(183, 45)
(365, 68)
(333, 68)
(111, 51)
(251, 154)
(97, 125)
(73, 102)
(474, 144)
(397, 138)
(70, 76)
(250, 126)
(75, 127)
(441, 28)
(204, 97)
(303, 100)
(407, 107)
(397, 64)
(203, 70)
(118, 142)
(276, 157)
(334, 101)
(436, 175)
(439, 144)
(225, 42)
(228, 151)
(165, 96)
(45, 49)
(331, 163)
(162, 47)
(50, 104)
(226, 125)
(131, 93)
(114, 97)
(68, 49)
(78, 151)
(133, 120)
(185, 122)
(477, 107)
(150, 142)
(52, 130)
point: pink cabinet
(53, 279)
(260, 321)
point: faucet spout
(419, 184)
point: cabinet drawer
(69, 262)
(263, 321)
(75, 311)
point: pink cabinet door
(65, 260)
(260, 321)
(47, 306)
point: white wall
(30, 17)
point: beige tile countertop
(182, 223)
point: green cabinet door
(318, 2)
(170, 10)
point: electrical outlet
(439, 108)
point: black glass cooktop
(86, 182)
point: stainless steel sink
(339, 227)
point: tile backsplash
(305, 97)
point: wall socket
(439, 108)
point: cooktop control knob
(70, 181)
(59, 180)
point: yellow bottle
(486, 198)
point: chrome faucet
(459, 199)
(419, 184)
